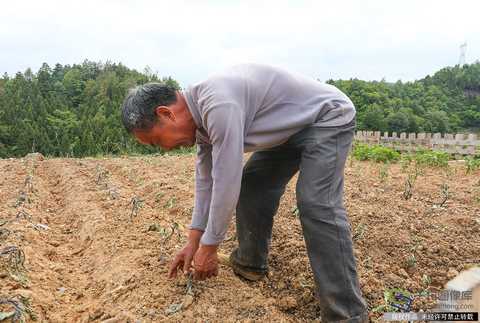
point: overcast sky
(391, 39)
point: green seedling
(187, 298)
(295, 211)
(390, 298)
(158, 197)
(383, 173)
(170, 203)
(409, 185)
(411, 261)
(426, 280)
(445, 194)
(359, 231)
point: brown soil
(104, 242)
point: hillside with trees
(448, 101)
(73, 110)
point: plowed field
(97, 236)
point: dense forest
(448, 101)
(73, 110)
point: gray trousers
(319, 154)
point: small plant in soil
(101, 176)
(426, 280)
(16, 309)
(136, 204)
(166, 232)
(359, 232)
(22, 199)
(188, 298)
(170, 203)
(445, 194)
(411, 261)
(295, 211)
(4, 233)
(113, 193)
(395, 299)
(158, 196)
(22, 214)
(409, 185)
(12, 260)
(28, 184)
(405, 162)
(383, 172)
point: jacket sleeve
(203, 186)
(224, 122)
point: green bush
(472, 163)
(376, 153)
(431, 158)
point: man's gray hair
(138, 109)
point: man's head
(158, 115)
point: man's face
(166, 134)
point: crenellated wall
(464, 144)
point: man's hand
(183, 259)
(205, 262)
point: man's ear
(165, 112)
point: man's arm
(203, 192)
(224, 123)
(203, 186)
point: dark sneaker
(252, 274)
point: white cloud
(190, 39)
